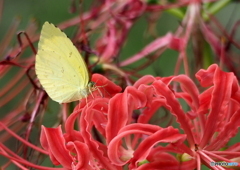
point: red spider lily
(114, 129)
(209, 124)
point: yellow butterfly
(60, 68)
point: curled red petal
(82, 154)
(205, 77)
(105, 86)
(148, 79)
(220, 99)
(165, 135)
(52, 140)
(138, 128)
(86, 125)
(188, 86)
(130, 100)
(163, 91)
(229, 131)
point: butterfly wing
(59, 67)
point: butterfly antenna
(99, 91)
(97, 87)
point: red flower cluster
(108, 136)
(112, 129)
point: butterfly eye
(91, 84)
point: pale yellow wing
(59, 67)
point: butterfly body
(60, 68)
